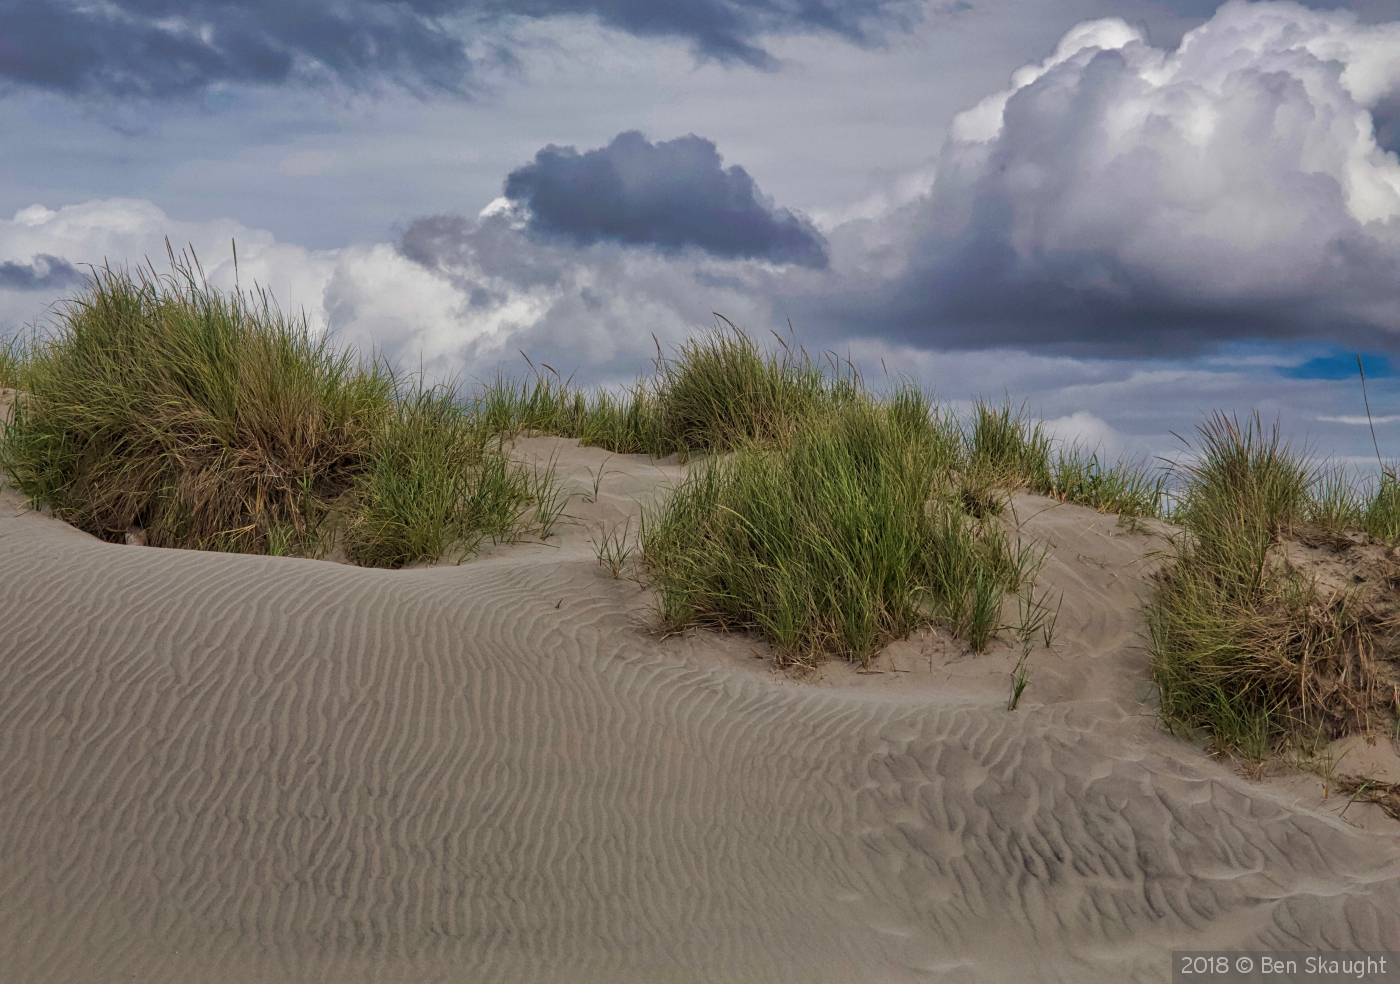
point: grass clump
(213, 421)
(435, 480)
(626, 423)
(718, 391)
(1381, 518)
(1245, 645)
(1334, 502)
(208, 420)
(1008, 445)
(1006, 448)
(1128, 488)
(835, 539)
(721, 391)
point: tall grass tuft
(1006, 449)
(1243, 645)
(721, 390)
(1381, 518)
(1009, 444)
(1128, 488)
(717, 391)
(209, 420)
(214, 421)
(832, 541)
(1334, 502)
(1245, 473)
(434, 480)
(1246, 486)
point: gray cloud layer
(727, 29)
(671, 195)
(161, 49)
(44, 272)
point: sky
(1125, 214)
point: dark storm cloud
(163, 49)
(1385, 116)
(43, 272)
(172, 48)
(671, 195)
(977, 289)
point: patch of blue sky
(1338, 364)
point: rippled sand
(228, 768)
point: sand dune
(233, 768)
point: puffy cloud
(1118, 197)
(458, 294)
(371, 296)
(161, 49)
(600, 309)
(125, 231)
(1088, 432)
(671, 195)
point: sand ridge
(234, 768)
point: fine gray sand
(219, 768)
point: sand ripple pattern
(222, 768)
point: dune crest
(232, 768)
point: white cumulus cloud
(372, 296)
(1120, 195)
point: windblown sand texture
(225, 768)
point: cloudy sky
(1125, 212)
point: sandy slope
(228, 768)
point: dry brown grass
(1386, 795)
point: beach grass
(1006, 443)
(828, 518)
(1380, 517)
(822, 515)
(435, 481)
(11, 361)
(1246, 647)
(721, 391)
(211, 420)
(840, 535)
(718, 390)
(1130, 488)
